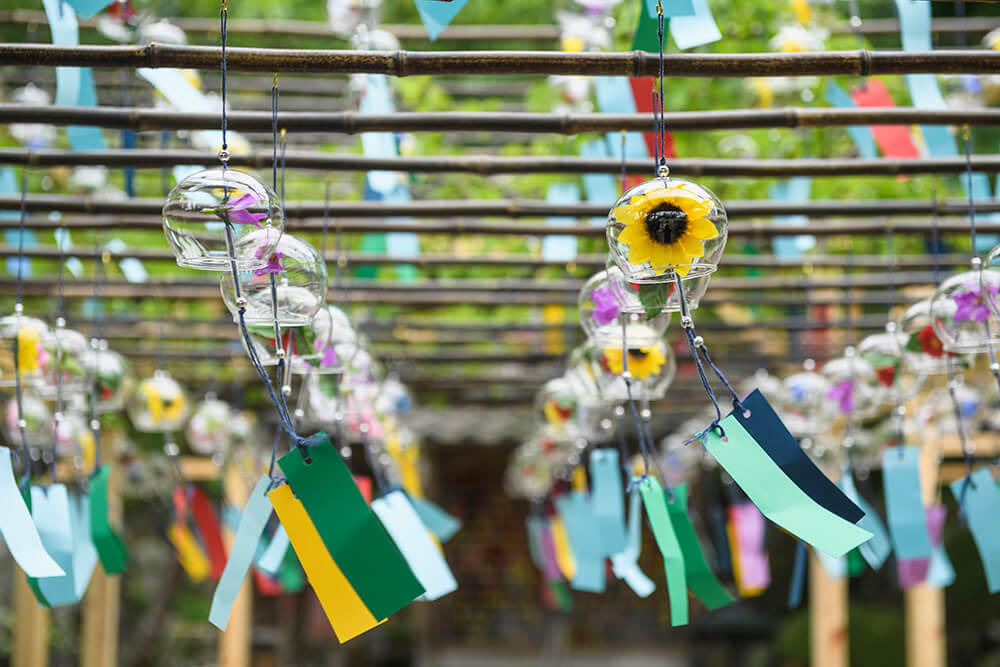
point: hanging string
(223, 19)
(953, 383)
(935, 235)
(967, 137)
(60, 327)
(661, 124)
(627, 378)
(624, 170)
(22, 423)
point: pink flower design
(237, 213)
(329, 354)
(970, 304)
(606, 308)
(41, 355)
(273, 264)
(843, 393)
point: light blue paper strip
(625, 564)
(979, 501)
(14, 237)
(940, 574)
(182, 94)
(671, 8)
(834, 566)
(696, 30)
(614, 95)
(270, 561)
(63, 25)
(251, 526)
(558, 247)
(87, 8)
(904, 503)
(534, 526)
(796, 190)
(598, 188)
(861, 135)
(577, 515)
(83, 137)
(9, 186)
(413, 539)
(84, 553)
(443, 525)
(17, 528)
(377, 98)
(877, 549)
(437, 15)
(51, 513)
(607, 499)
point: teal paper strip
(671, 8)
(534, 526)
(577, 515)
(979, 499)
(655, 503)
(51, 514)
(625, 564)
(436, 15)
(700, 579)
(777, 497)
(270, 561)
(17, 528)
(904, 503)
(84, 552)
(443, 525)
(251, 526)
(695, 30)
(414, 541)
(876, 550)
(607, 499)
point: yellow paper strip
(345, 610)
(579, 479)
(560, 542)
(189, 553)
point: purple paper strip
(551, 568)
(935, 522)
(913, 571)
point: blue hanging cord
(627, 378)
(963, 438)
(18, 311)
(60, 324)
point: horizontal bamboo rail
(351, 122)
(506, 63)
(474, 33)
(342, 211)
(595, 261)
(484, 165)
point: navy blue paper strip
(767, 429)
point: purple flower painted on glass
(970, 304)
(237, 213)
(273, 263)
(606, 308)
(843, 393)
(329, 354)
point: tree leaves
(653, 297)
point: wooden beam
(828, 637)
(31, 626)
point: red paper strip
(642, 93)
(207, 522)
(364, 486)
(265, 584)
(893, 140)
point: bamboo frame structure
(353, 122)
(861, 62)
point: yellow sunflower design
(643, 362)
(665, 227)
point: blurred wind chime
(665, 237)
(364, 562)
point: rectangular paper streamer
(84, 553)
(673, 561)
(746, 535)
(251, 527)
(415, 543)
(584, 542)
(980, 501)
(50, 511)
(776, 495)
(941, 573)
(561, 549)
(878, 548)
(189, 553)
(274, 554)
(353, 535)
(700, 579)
(110, 548)
(905, 509)
(19, 532)
(626, 564)
(443, 525)
(608, 500)
(347, 613)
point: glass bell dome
(67, 350)
(158, 405)
(652, 367)
(208, 430)
(853, 385)
(605, 304)
(38, 424)
(328, 343)
(112, 376)
(28, 334)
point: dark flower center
(638, 354)
(666, 223)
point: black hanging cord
(18, 311)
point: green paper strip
(655, 503)
(777, 496)
(110, 548)
(33, 581)
(700, 578)
(355, 538)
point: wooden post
(827, 617)
(101, 604)
(925, 623)
(31, 626)
(235, 643)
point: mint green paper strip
(777, 497)
(655, 503)
(626, 564)
(251, 527)
(17, 528)
(700, 579)
(270, 561)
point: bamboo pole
(489, 165)
(101, 604)
(828, 637)
(31, 626)
(860, 62)
(352, 122)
